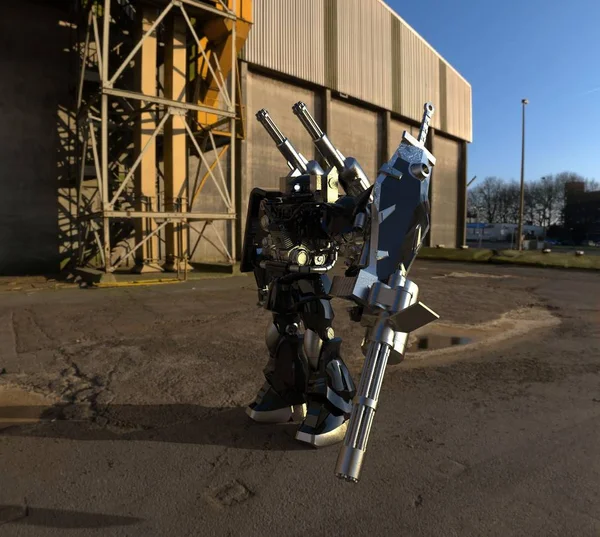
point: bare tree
(496, 200)
(571, 177)
(508, 202)
(549, 199)
(489, 193)
(531, 196)
(473, 200)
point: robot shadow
(176, 423)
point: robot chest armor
(293, 233)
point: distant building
(582, 212)
(501, 232)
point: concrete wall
(356, 132)
(34, 78)
(397, 128)
(444, 192)
(264, 165)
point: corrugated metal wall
(363, 34)
(417, 76)
(363, 49)
(277, 44)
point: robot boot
(329, 394)
(282, 397)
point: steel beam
(167, 102)
(146, 256)
(104, 134)
(206, 7)
(163, 214)
(174, 142)
(153, 117)
(232, 151)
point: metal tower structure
(157, 97)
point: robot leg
(282, 399)
(330, 387)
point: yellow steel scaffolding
(158, 83)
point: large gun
(399, 221)
(351, 176)
(295, 160)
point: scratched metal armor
(292, 239)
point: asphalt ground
(141, 394)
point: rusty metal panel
(289, 37)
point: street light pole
(524, 102)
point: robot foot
(330, 392)
(270, 407)
(322, 432)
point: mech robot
(293, 238)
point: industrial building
(128, 139)
(582, 213)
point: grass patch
(477, 255)
(531, 258)
(553, 259)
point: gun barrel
(265, 120)
(350, 458)
(332, 156)
(428, 112)
(307, 120)
(294, 159)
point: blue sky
(547, 51)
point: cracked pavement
(141, 393)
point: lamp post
(524, 102)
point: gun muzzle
(307, 120)
(265, 120)
(331, 155)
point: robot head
(298, 185)
(323, 186)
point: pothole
(21, 407)
(437, 341)
(440, 335)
